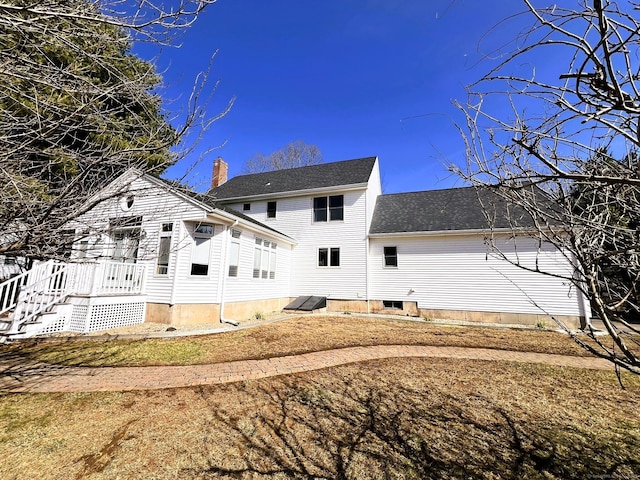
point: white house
(155, 251)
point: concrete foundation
(207, 313)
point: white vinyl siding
(246, 287)
(295, 219)
(156, 206)
(454, 272)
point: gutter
(294, 193)
(449, 232)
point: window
(246, 207)
(271, 209)
(125, 235)
(264, 259)
(164, 247)
(391, 257)
(234, 253)
(201, 251)
(392, 304)
(329, 257)
(126, 203)
(328, 208)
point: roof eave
(435, 233)
(294, 193)
(230, 219)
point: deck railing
(109, 278)
(43, 286)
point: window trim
(327, 211)
(271, 212)
(234, 253)
(264, 255)
(206, 236)
(329, 251)
(385, 256)
(165, 231)
(393, 304)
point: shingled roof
(444, 210)
(324, 175)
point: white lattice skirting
(82, 314)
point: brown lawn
(293, 336)
(395, 418)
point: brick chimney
(220, 170)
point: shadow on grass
(19, 371)
(353, 431)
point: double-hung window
(329, 257)
(164, 248)
(201, 252)
(329, 208)
(391, 257)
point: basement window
(392, 304)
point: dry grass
(293, 336)
(410, 419)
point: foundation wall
(411, 309)
(571, 322)
(247, 310)
(200, 314)
(183, 314)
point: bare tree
(77, 109)
(560, 142)
(294, 154)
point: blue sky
(356, 78)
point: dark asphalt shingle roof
(443, 210)
(324, 175)
(209, 201)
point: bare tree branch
(573, 134)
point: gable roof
(203, 201)
(451, 209)
(324, 175)
(209, 203)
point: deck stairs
(78, 297)
(31, 300)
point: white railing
(45, 285)
(32, 293)
(109, 278)
(9, 291)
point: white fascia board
(440, 233)
(296, 193)
(229, 219)
(178, 193)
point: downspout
(225, 267)
(366, 246)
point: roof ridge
(323, 164)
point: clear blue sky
(356, 78)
